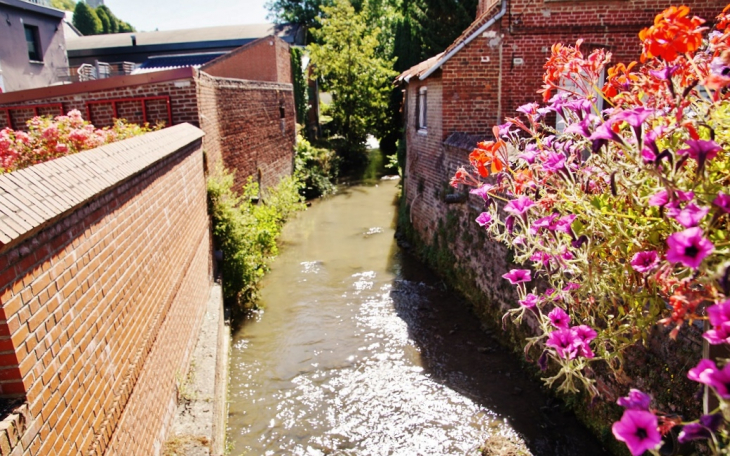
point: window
(421, 109)
(34, 43)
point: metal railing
(88, 72)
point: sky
(148, 15)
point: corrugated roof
(167, 62)
(219, 33)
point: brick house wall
(104, 278)
(266, 59)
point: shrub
(315, 168)
(48, 138)
(246, 232)
(624, 213)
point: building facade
(32, 45)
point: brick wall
(182, 93)
(257, 127)
(266, 59)
(208, 115)
(104, 278)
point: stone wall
(104, 278)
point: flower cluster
(621, 208)
(48, 138)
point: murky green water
(360, 351)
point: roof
(419, 69)
(425, 68)
(220, 33)
(34, 7)
(167, 62)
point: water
(360, 351)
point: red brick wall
(266, 59)
(182, 100)
(103, 284)
(209, 115)
(254, 135)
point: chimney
(134, 40)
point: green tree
(66, 5)
(301, 12)
(300, 84)
(113, 21)
(86, 20)
(106, 26)
(126, 27)
(346, 61)
(442, 21)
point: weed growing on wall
(48, 138)
(245, 229)
(624, 214)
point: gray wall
(18, 73)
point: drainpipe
(499, 84)
(468, 40)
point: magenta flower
(529, 109)
(563, 341)
(688, 247)
(563, 223)
(554, 162)
(544, 222)
(516, 276)
(635, 117)
(559, 318)
(701, 150)
(719, 313)
(722, 201)
(540, 257)
(482, 191)
(718, 335)
(702, 430)
(691, 215)
(638, 429)
(570, 286)
(519, 206)
(636, 400)
(484, 219)
(659, 199)
(584, 332)
(645, 261)
(708, 374)
(530, 301)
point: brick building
(243, 101)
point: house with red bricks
(453, 99)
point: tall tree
(103, 10)
(106, 26)
(301, 12)
(346, 61)
(85, 20)
(443, 21)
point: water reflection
(360, 352)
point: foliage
(48, 138)
(246, 232)
(86, 20)
(300, 85)
(349, 67)
(66, 5)
(315, 168)
(443, 21)
(301, 12)
(624, 214)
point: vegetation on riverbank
(245, 229)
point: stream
(359, 350)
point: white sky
(148, 15)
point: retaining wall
(104, 278)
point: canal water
(360, 351)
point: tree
(66, 5)
(443, 21)
(301, 12)
(113, 21)
(347, 63)
(104, 19)
(300, 84)
(86, 20)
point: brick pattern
(209, 120)
(100, 298)
(266, 59)
(182, 95)
(257, 127)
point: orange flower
(487, 153)
(673, 33)
(619, 79)
(523, 181)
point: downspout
(468, 40)
(499, 85)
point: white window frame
(422, 109)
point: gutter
(471, 37)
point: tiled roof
(418, 69)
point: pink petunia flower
(559, 318)
(516, 276)
(519, 206)
(636, 400)
(563, 341)
(482, 191)
(645, 261)
(530, 301)
(707, 373)
(638, 429)
(689, 247)
(691, 215)
(484, 219)
(701, 150)
(722, 201)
